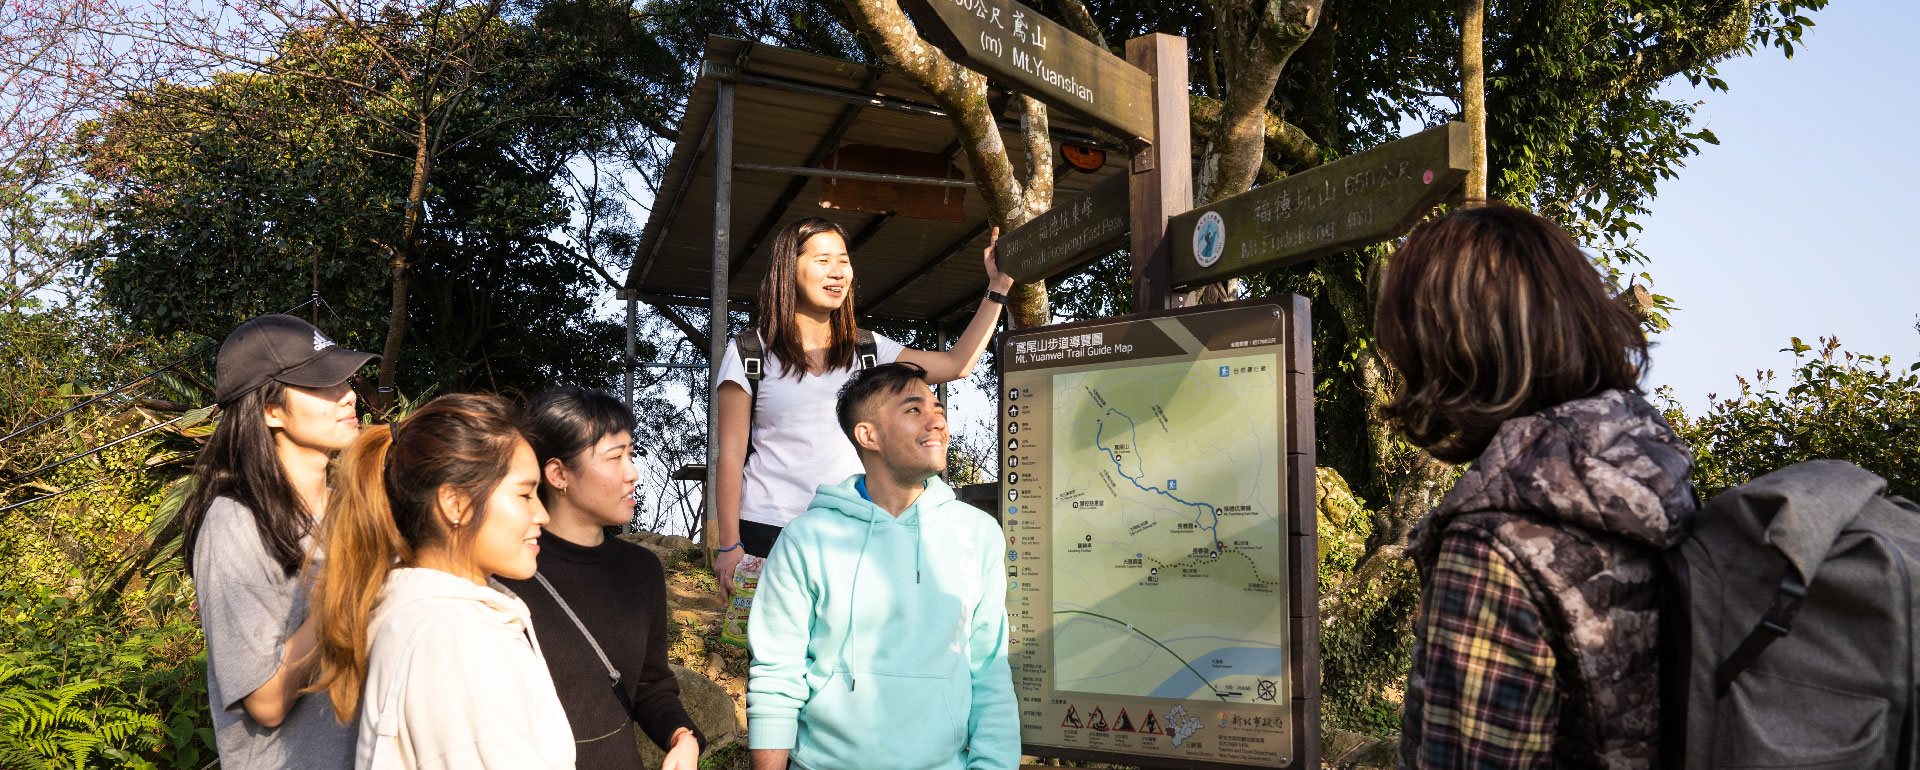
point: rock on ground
(713, 711)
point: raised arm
(958, 361)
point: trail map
(1149, 539)
(1164, 530)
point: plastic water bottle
(746, 578)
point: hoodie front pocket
(878, 719)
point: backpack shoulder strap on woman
(753, 361)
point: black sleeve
(656, 699)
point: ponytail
(382, 514)
(360, 544)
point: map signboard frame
(1253, 719)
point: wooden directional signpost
(1017, 46)
(1260, 705)
(1351, 202)
(1057, 240)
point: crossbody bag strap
(613, 674)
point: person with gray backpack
(1537, 639)
(1579, 608)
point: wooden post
(717, 322)
(1161, 178)
(1473, 96)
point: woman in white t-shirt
(805, 315)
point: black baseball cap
(283, 348)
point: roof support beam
(803, 173)
(868, 230)
(673, 316)
(826, 146)
(954, 309)
(880, 101)
(638, 273)
(927, 267)
(717, 326)
(679, 301)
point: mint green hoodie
(881, 642)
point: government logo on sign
(1209, 239)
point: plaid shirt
(1482, 693)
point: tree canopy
(243, 195)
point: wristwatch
(994, 296)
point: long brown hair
(383, 514)
(1493, 313)
(779, 301)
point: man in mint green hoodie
(879, 629)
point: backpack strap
(753, 360)
(753, 357)
(1773, 626)
(866, 353)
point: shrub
(88, 686)
(1836, 404)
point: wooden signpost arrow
(1060, 238)
(1017, 46)
(1351, 202)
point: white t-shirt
(797, 441)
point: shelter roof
(793, 109)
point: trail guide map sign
(1146, 498)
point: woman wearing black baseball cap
(260, 487)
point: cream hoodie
(455, 680)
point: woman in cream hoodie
(439, 662)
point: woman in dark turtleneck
(615, 590)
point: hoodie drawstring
(854, 592)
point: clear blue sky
(1802, 221)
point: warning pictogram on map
(1122, 724)
(1073, 718)
(1098, 721)
(1151, 724)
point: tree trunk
(1011, 200)
(402, 257)
(1473, 96)
(1254, 41)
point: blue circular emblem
(1209, 239)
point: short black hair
(563, 422)
(885, 379)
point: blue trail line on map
(1099, 429)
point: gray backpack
(1790, 641)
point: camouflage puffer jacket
(1582, 497)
